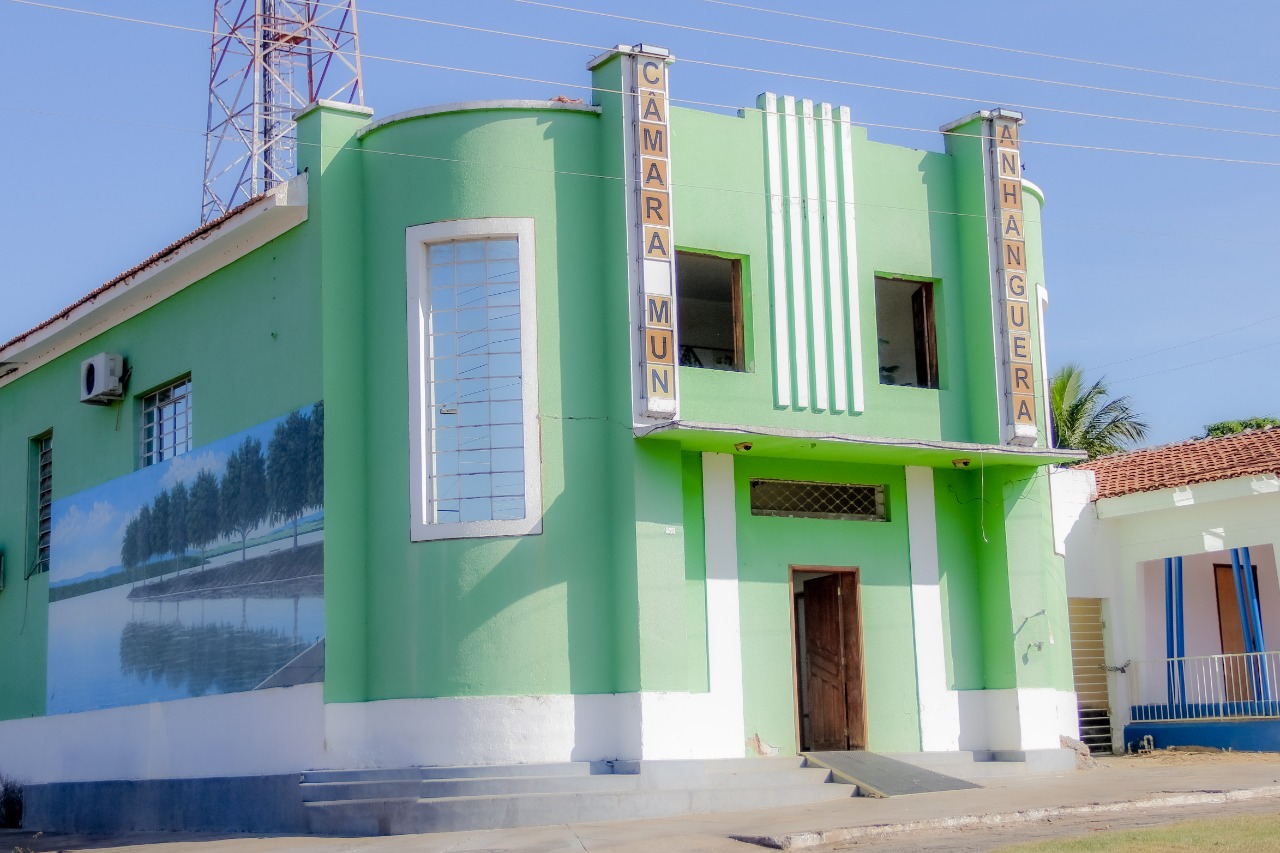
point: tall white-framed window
(475, 455)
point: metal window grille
(796, 499)
(477, 410)
(166, 422)
(44, 502)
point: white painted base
(1016, 719)
(235, 734)
(291, 729)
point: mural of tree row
(279, 487)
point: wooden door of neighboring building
(832, 641)
(1235, 670)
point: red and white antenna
(269, 59)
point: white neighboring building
(1174, 592)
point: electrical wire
(436, 66)
(1186, 343)
(1198, 363)
(770, 72)
(675, 184)
(1001, 48)
(916, 62)
(1054, 110)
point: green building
(536, 431)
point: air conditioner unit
(102, 379)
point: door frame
(803, 568)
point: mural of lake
(202, 574)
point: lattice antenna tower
(269, 59)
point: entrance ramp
(881, 776)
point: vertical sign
(651, 246)
(1011, 263)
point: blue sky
(1161, 270)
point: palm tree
(1084, 418)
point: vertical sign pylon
(651, 246)
(1017, 367)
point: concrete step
(397, 788)
(464, 787)
(568, 768)
(983, 764)
(692, 767)
(397, 816)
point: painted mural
(202, 574)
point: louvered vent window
(795, 499)
(44, 502)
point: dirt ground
(1181, 756)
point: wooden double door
(831, 691)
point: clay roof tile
(1197, 461)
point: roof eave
(185, 263)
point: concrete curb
(803, 840)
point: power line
(588, 87)
(1049, 223)
(916, 62)
(1001, 48)
(1198, 363)
(1186, 343)
(1055, 110)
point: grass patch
(146, 571)
(300, 570)
(1245, 834)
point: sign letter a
(653, 176)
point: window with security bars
(42, 501)
(797, 499)
(477, 410)
(166, 422)
(475, 454)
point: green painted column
(964, 143)
(1026, 635)
(329, 152)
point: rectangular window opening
(799, 499)
(907, 338)
(709, 311)
(41, 502)
(166, 422)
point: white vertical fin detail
(851, 262)
(778, 256)
(839, 364)
(816, 279)
(795, 243)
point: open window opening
(905, 327)
(709, 309)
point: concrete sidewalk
(1121, 784)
